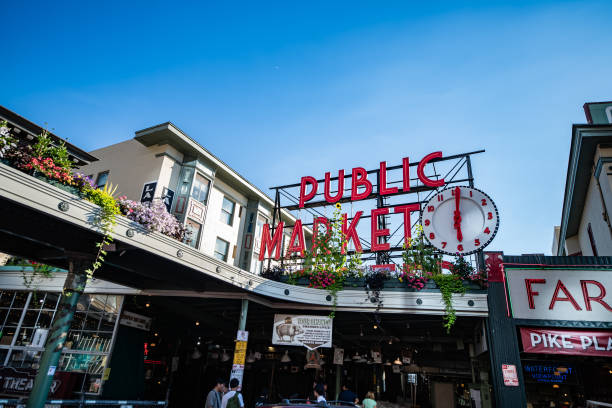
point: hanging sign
(560, 341)
(148, 192)
(510, 375)
(296, 330)
(135, 320)
(167, 197)
(557, 294)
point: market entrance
(400, 357)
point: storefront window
(25, 320)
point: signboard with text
(510, 375)
(308, 331)
(148, 192)
(561, 341)
(560, 294)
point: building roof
(585, 139)
(33, 129)
(168, 133)
(557, 261)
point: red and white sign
(559, 341)
(510, 375)
(557, 294)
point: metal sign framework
(455, 170)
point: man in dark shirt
(347, 395)
(213, 400)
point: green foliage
(327, 265)
(462, 268)
(418, 257)
(28, 276)
(44, 147)
(105, 221)
(449, 284)
(7, 141)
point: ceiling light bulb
(197, 322)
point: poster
(510, 375)
(239, 356)
(311, 332)
(338, 356)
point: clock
(460, 220)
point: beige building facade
(223, 211)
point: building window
(200, 188)
(193, 233)
(102, 179)
(227, 211)
(221, 249)
(592, 240)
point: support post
(241, 345)
(73, 289)
(338, 380)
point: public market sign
(554, 294)
(560, 341)
(297, 330)
(456, 220)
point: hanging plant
(37, 270)
(419, 259)
(326, 265)
(462, 268)
(449, 284)
(374, 284)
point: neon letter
(530, 292)
(407, 209)
(568, 298)
(382, 180)
(338, 196)
(598, 299)
(426, 180)
(359, 177)
(376, 233)
(269, 244)
(406, 171)
(350, 232)
(306, 197)
(299, 233)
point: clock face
(460, 220)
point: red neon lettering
(338, 195)
(382, 180)
(299, 234)
(406, 174)
(568, 298)
(350, 232)
(360, 177)
(407, 209)
(530, 292)
(306, 197)
(598, 299)
(269, 244)
(421, 174)
(376, 233)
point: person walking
(213, 400)
(369, 401)
(233, 399)
(346, 395)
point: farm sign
(296, 330)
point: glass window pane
(102, 179)
(13, 317)
(20, 299)
(51, 300)
(200, 188)
(221, 249)
(194, 233)
(30, 318)
(45, 319)
(228, 205)
(92, 321)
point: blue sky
(282, 90)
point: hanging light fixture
(251, 357)
(397, 361)
(285, 358)
(356, 356)
(225, 356)
(347, 358)
(387, 363)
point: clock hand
(457, 215)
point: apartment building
(586, 227)
(224, 212)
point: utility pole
(73, 289)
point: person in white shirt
(319, 393)
(234, 383)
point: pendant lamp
(285, 358)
